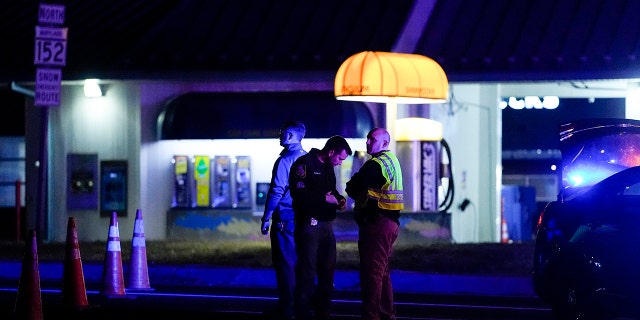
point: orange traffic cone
(113, 277)
(29, 300)
(138, 270)
(74, 292)
(505, 232)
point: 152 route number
(50, 52)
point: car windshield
(596, 159)
(595, 149)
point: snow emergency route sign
(48, 87)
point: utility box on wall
(82, 178)
(113, 188)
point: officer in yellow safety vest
(378, 194)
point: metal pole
(391, 117)
(41, 214)
(18, 206)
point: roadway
(250, 303)
(205, 292)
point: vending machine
(202, 174)
(221, 191)
(242, 182)
(181, 193)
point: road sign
(48, 82)
(51, 14)
(50, 50)
(51, 46)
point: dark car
(587, 254)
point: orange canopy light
(385, 76)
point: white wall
(470, 127)
(107, 126)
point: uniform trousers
(375, 246)
(283, 256)
(316, 250)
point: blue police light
(587, 175)
(576, 180)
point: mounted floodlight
(384, 77)
(92, 88)
(418, 129)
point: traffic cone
(113, 277)
(29, 300)
(74, 292)
(505, 232)
(138, 270)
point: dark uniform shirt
(309, 181)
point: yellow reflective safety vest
(390, 196)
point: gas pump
(202, 175)
(221, 192)
(242, 182)
(426, 175)
(181, 194)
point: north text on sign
(53, 14)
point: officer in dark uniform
(315, 201)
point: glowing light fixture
(391, 78)
(388, 76)
(418, 129)
(92, 88)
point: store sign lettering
(531, 102)
(428, 155)
(419, 91)
(354, 90)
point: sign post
(50, 53)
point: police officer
(315, 202)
